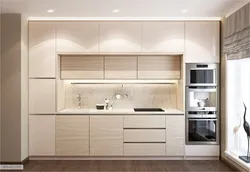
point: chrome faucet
(79, 101)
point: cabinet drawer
(144, 149)
(144, 135)
(144, 121)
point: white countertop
(118, 112)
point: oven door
(202, 131)
(200, 75)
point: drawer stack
(144, 135)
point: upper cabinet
(159, 67)
(121, 67)
(120, 37)
(202, 42)
(77, 37)
(42, 50)
(167, 37)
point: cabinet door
(42, 49)
(121, 67)
(202, 42)
(82, 67)
(175, 135)
(163, 37)
(159, 67)
(41, 96)
(106, 135)
(72, 135)
(77, 37)
(41, 135)
(120, 37)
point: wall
(158, 95)
(14, 106)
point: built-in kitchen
(124, 89)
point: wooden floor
(122, 165)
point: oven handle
(201, 90)
(203, 119)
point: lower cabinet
(144, 149)
(72, 135)
(106, 135)
(41, 135)
(175, 135)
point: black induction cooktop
(148, 110)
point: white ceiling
(128, 8)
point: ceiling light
(116, 11)
(50, 11)
(184, 11)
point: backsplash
(132, 95)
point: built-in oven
(201, 98)
(202, 128)
(201, 74)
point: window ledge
(236, 159)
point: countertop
(118, 112)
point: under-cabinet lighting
(116, 11)
(123, 82)
(51, 11)
(184, 11)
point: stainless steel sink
(148, 110)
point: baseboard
(15, 162)
(202, 157)
(229, 164)
(25, 160)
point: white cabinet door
(42, 49)
(77, 37)
(202, 42)
(41, 96)
(72, 135)
(106, 135)
(120, 37)
(41, 135)
(163, 37)
(175, 135)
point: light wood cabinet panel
(202, 43)
(175, 135)
(120, 67)
(144, 135)
(41, 135)
(42, 49)
(82, 67)
(159, 67)
(72, 135)
(77, 37)
(144, 149)
(42, 96)
(144, 121)
(120, 37)
(163, 37)
(106, 135)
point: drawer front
(144, 149)
(145, 135)
(144, 121)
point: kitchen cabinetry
(41, 96)
(120, 67)
(77, 37)
(82, 67)
(144, 149)
(144, 121)
(106, 135)
(41, 135)
(120, 37)
(42, 49)
(175, 135)
(72, 135)
(202, 43)
(159, 67)
(161, 37)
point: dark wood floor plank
(126, 166)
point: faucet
(79, 101)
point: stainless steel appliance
(202, 119)
(201, 98)
(202, 128)
(201, 74)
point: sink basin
(148, 110)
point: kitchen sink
(148, 110)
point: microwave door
(202, 76)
